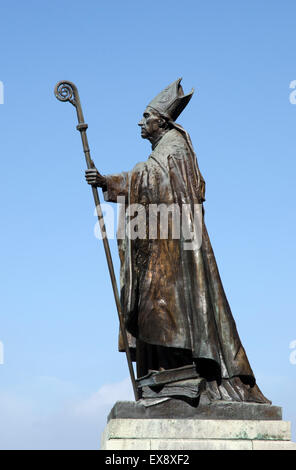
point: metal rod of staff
(67, 91)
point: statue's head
(153, 124)
(163, 110)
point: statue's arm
(116, 185)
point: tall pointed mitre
(171, 101)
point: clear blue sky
(58, 323)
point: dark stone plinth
(178, 409)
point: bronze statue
(174, 306)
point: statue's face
(150, 123)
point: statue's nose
(140, 123)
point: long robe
(173, 296)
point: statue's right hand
(94, 178)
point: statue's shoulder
(174, 144)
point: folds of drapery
(171, 295)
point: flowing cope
(172, 296)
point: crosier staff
(67, 91)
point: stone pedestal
(175, 425)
